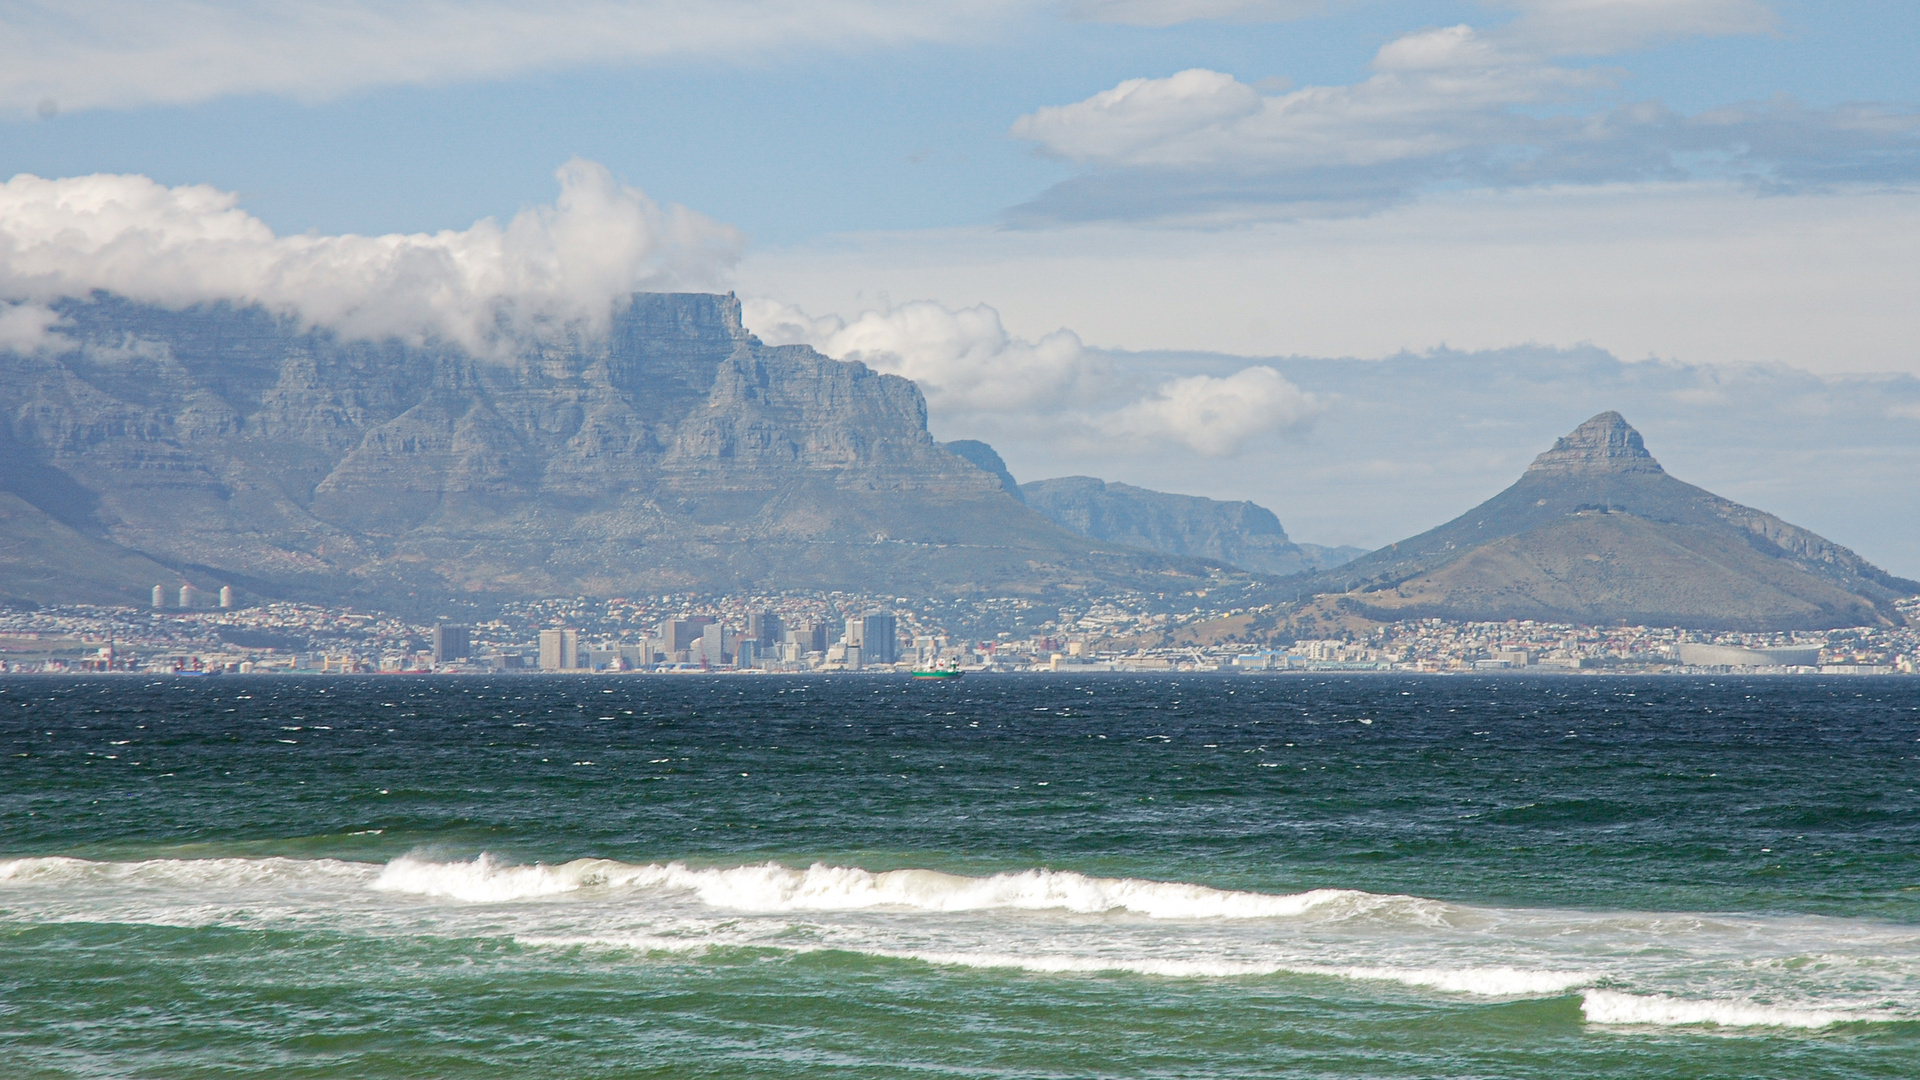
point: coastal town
(849, 633)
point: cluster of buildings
(1435, 645)
(760, 641)
(839, 632)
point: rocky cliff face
(1237, 533)
(986, 457)
(1595, 531)
(677, 452)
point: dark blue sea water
(1005, 876)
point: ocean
(1004, 876)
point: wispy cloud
(1451, 106)
(1174, 12)
(83, 54)
(1572, 26)
(1601, 27)
(558, 264)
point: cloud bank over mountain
(971, 368)
(557, 265)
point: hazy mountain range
(229, 445)
(218, 445)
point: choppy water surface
(1046, 876)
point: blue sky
(1015, 202)
(795, 144)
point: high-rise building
(559, 650)
(159, 596)
(714, 645)
(189, 596)
(679, 635)
(451, 642)
(810, 637)
(226, 596)
(879, 639)
(855, 634)
(763, 627)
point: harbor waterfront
(836, 632)
(1031, 875)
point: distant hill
(1241, 534)
(220, 444)
(1597, 532)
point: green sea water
(1045, 876)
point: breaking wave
(769, 887)
(1613, 1007)
(1648, 969)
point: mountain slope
(1241, 534)
(676, 452)
(1596, 531)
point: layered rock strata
(675, 452)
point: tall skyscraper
(763, 627)
(451, 642)
(810, 636)
(715, 645)
(559, 650)
(879, 639)
(682, 635)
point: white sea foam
(58, 870)
(1726, 972)
(773, 887)
(1613, 1007)
(1502, 982)
(1507, 982)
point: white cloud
(81, 54)
(978, 377)
(1598, 27)
(1589, 27)
(559, 264)
(1174, 12)
(1452, 106)
(1433, 93)
(1216, 416)
(963, 360)
(27, 328)
(1145, 121)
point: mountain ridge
(678, 452)
(1557, 546)
(1239, 533)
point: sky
(1298, 251)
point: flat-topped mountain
(1240, 534)
(219, 444)
(1595, 531)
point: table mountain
(676, 452)
(1596, 532)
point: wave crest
(773, 887)
(1613, 1007)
